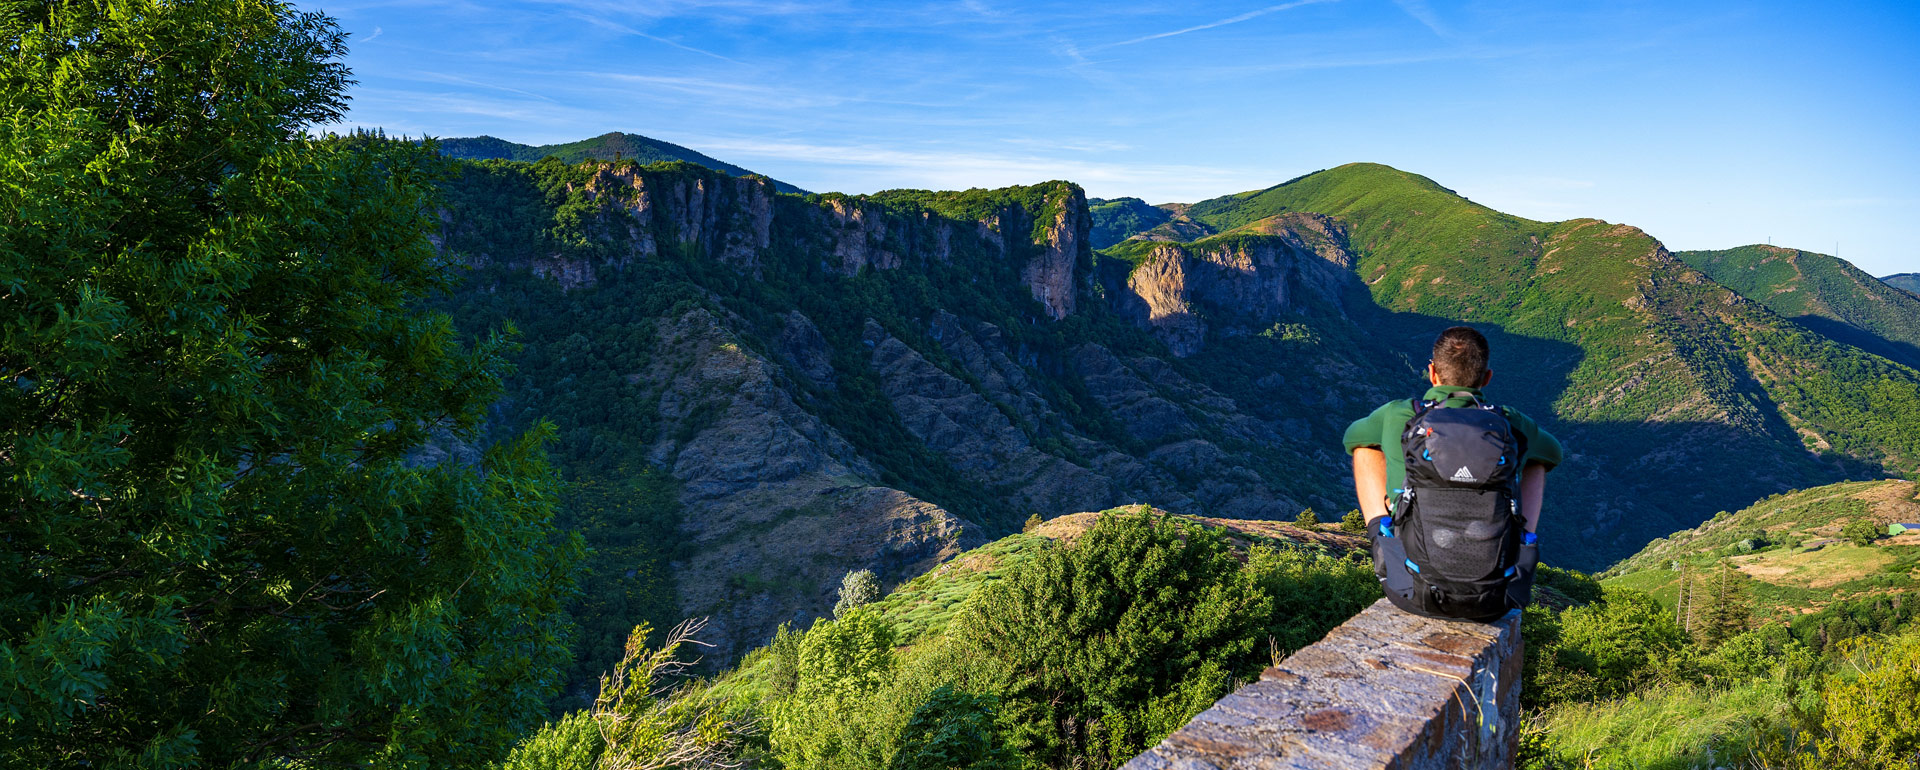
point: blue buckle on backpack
(1510, 571)
(1412, 566)
(1426, 454)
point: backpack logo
(1463, 474)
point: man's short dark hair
(1460, 357)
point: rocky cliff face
(841, 383)
(1290, 265)
(1064, 246)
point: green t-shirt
(1382, 429)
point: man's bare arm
(1533, 487)
(1370, 482)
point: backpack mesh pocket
(1460, 536)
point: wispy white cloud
(441, 77)
(603, 22)
(861, 168)
(1250, 15)
(377, 32)
(1424, 14)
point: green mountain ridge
(1117, 219)
(610, 146)
(1823, 293)
(1908, 282)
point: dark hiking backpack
(1458, 518)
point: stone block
(1386, 689)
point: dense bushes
(1617, 684)
(1080, 657)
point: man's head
(1459, 359)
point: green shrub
(858, 589)
(952, 730)
(1861, 531)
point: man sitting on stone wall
(1451, 487)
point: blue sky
(1707, 124)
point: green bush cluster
(1079, 657)
(1617, 683)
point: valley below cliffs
(756, 392)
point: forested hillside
(1822, 293)
(1909, 282)
(607, 147)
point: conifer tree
(217, 546)
(1729, 613)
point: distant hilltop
(1907, 281)
(609, 146)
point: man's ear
(1486, 378)
(1433, 374)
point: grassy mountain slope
(607, 147)
(1823, 293)
(1118, 219)
(1909, 282)
(1791, 550)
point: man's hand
(1370, 483)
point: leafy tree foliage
(1081, 654)
(1872, 717)
(840, 663)
(858, 588)
(1144, 621)
(1861, 531)
(1307, 518)
(953, 730)
(1598, 650)
(1354, 522)
(219, 548)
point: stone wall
(1384, 690)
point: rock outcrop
(1064, 246)
(1282, 267)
